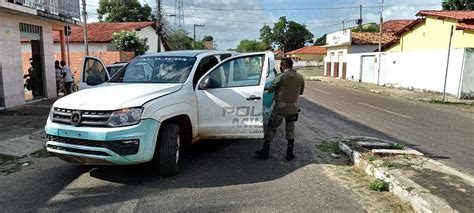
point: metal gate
(368, 69)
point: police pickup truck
(159, 103)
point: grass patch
(6, 159)
(330, 147)
(372, 158)
(42, 153)
(397, 146)
(379, 185)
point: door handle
(253, 97)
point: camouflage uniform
(288, 86)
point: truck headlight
(125, 117)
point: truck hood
(112, 96)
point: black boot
(289, 150)
(263, 153)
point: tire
(167, 151)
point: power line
(302, 9)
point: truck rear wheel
(167, 151)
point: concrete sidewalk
(428, 97)
(22, 128)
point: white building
(33, 23)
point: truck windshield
(158, 69)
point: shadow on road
(210, 164)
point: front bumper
(101, 145)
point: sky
(230, 21)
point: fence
(63, 8)
(417, 70)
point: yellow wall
(309, 57)
(433, 34)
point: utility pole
(381, 27)
(194, 34)
(447, 63)
(360, 19)
(84, 16)
(159, 26)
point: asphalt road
(441, 132)
(225, 176)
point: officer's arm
(302, 87)
(275, 84)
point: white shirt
(68, 76)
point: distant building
(346, 42)
(432, 32)
(308, 53)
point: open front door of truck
(93, 73)
(230, 98)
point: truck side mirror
(205, 83)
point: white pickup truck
(159, 103)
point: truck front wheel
(166, 157)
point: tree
(179, 40)
(124, 11)
(252, 46)
(208, 38)
(286, 35)
(129, 41)
(321, 41)
(458, 4)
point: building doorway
(33, 61)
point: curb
(404, 188)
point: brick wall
(77, 59)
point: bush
(379, 185)
(129, 41)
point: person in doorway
(288, 86)
(59, 76)
(67, 78)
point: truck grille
(125, 147)
(87, 118)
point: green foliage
(458, 4)
(368, 28)
(124, 11)
(252, 46)
(397, 146)
(372, 158)
(208, 38)
(329, 147)
(179, 40)
(286, 35)
(129, 41)
(321, 41)
(379, 185)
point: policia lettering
(243, 116)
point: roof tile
(309, 50)
(394, 26)
(102, 32)
(370, 38)
(460, 15)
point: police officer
(287, 86)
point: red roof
(370, 38)
(309, 50)
(102, 32)
(460, 15)
(394, 26)
(465, 27)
